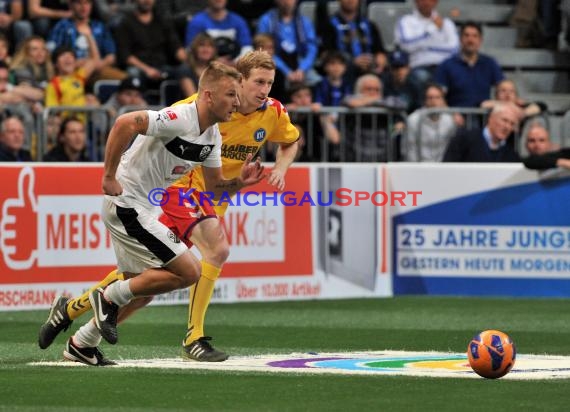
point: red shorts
(181, 215)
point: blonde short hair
(214, 73)
(257, 59)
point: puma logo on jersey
(190, 151)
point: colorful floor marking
(429, 364)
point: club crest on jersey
(259, 135)
(204, 153)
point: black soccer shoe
(105, 316)
(88, 356)
(202, 351)
(57, 321)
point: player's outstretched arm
(126, 127)
(251, 173)
(283, 159)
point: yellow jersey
(241, 135)
(67, 91)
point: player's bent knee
(220, 253)
(187, 270)
(188, 280)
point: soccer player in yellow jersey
(259, 118)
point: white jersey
(423, 41)
(171, 147)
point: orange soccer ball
(491, 354)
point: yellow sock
(200, 295)
(78, 306)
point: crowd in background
(53, 53)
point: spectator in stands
(351, 33)
(11, 94)
(506, 92)
(278, 90)
(525, 20)
(129, 93)
(488, 145)
(180, 12)
(367, 134)
(331, 91)
(550, 23)
(32, 64)
(46, 13)
(428, 38)
(52, 126)
(149, 47)
(12, 24)
(12, 140)
(112, 11)
(538, 23)
(250, 10)
(67, 87)
(548, 160)
(5, 55)
(228, 29)
(398, 81)
(201, 52)
(469, 75)
(537, 140)
(542, 154)
(369, 91)
(295, 42)
(334, 86)
(71, 145)
(89, 39)
(427, 135)
(301, 97)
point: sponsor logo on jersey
(171, 115)
(238, 151)
(259, 135)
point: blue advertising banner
(510, 238)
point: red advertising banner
(51, 229)
(50, 225)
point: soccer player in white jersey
(199, 225)
(169, 143)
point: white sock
(119, 292)
(87, 336)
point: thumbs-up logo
(18, 224)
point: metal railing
(367, 134)
(97, 121)
(473, 118)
